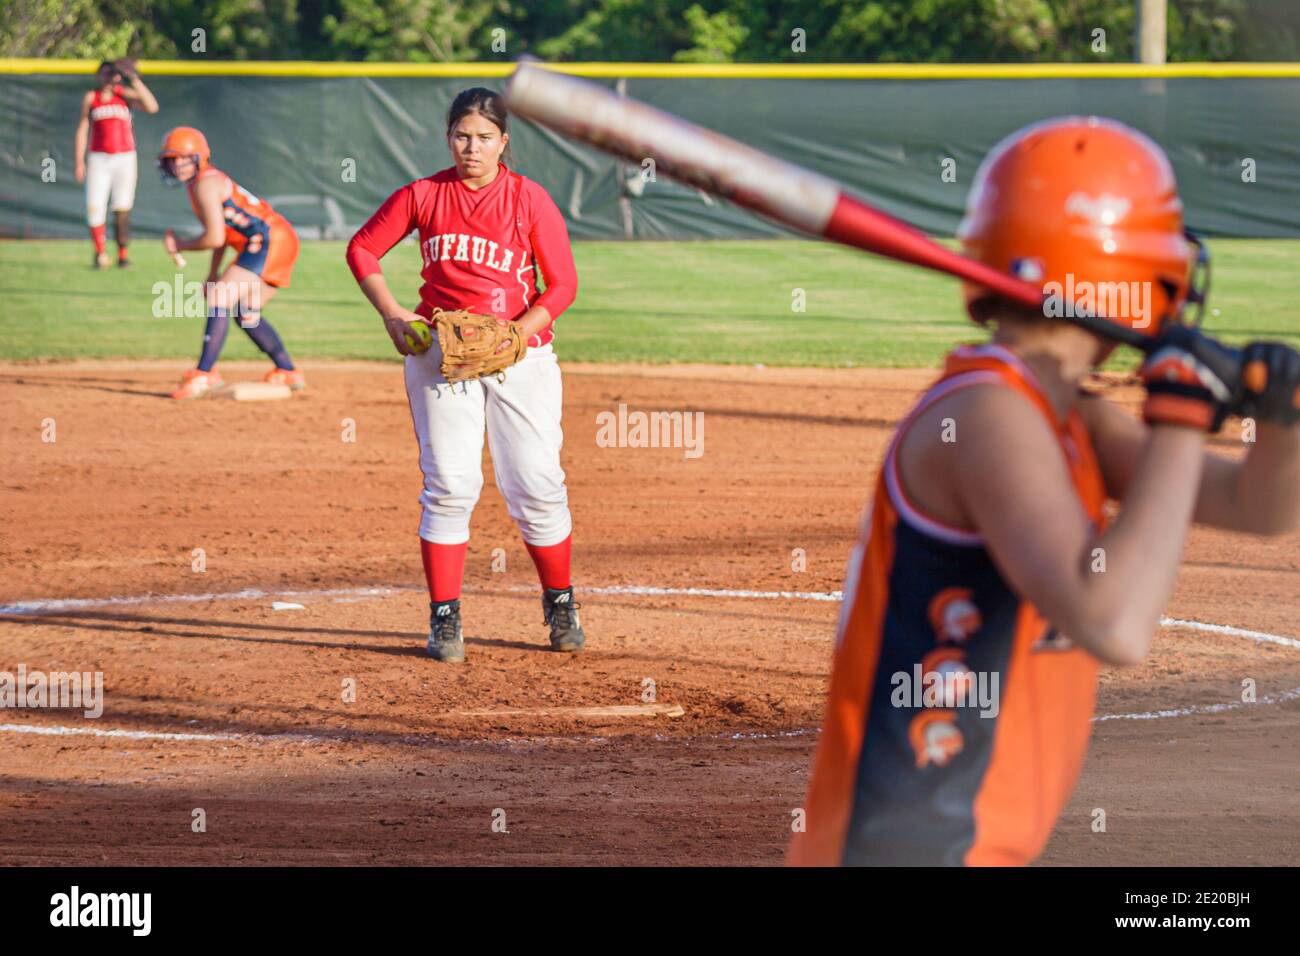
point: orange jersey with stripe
(958, 718)
(248, 218)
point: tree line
(689, 31)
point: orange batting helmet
(183, 141)
(1089, 209)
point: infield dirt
(279, 501)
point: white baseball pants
(109, 175)
(521, 417)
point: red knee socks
(552, 562)
(444, 568)
(98, 233)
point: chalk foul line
(1233, 631)
(55, 605)
(1278, 698)
(61, 731)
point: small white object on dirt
(254, 392)
(286, 606)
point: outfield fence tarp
(327, 150)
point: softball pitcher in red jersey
(484, 232)
(988, 586)
(109, 167)
(266, 248)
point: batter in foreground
(484, 230)
(987, 586)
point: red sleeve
(552, 252)
(385, 229)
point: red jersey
(110, 124)
(481, 248)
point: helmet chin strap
(1198, 283)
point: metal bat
(790, 194)
(742, 174)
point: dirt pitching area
(246, 578)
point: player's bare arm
(1005, 478)
(208, 192)
(1257, 494)
(83, 136)
(137, 94)
(214, 269)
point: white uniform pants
(109, 175)
(521, 417)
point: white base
(254, 392)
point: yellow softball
(418, 337)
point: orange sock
(444, 569)
(552, 562)
(97, 234)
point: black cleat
(446, 640)
(560, 613)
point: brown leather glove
(469, 344)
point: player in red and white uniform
(266, 248)
(484, 232)
(109, 169)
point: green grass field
(725, 301)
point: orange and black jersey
(958, 718)
(266, 242)
(248, 219)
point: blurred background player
(484, 229)
(987, 552)
(266, 249)
(109, 168)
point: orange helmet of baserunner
(1089, 209)
(183, 141)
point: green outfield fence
(327, 142)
